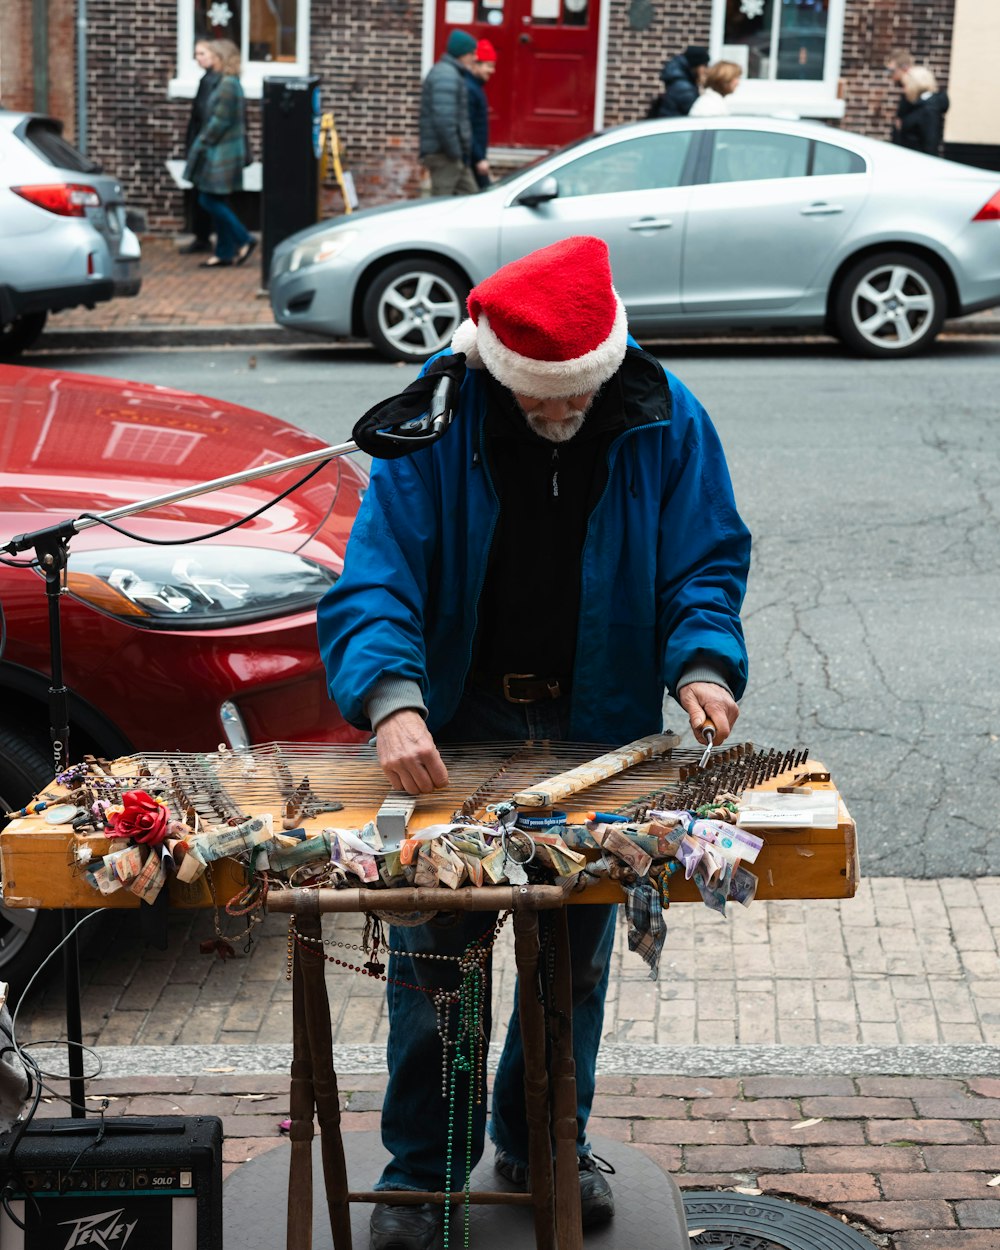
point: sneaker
(405, 1227)
(510, 1169)
(597, 1202)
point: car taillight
(68, 199)
(990, 211)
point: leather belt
(523, 687)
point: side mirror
(546, 188)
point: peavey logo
(107, 1231)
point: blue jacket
(664, 567)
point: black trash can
(290, 127)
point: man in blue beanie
(445, 130)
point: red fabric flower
(143, 820)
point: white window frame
(787, 98)
(189, 73)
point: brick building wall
(16, 87)
(636, 56)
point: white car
(714, 224)
(64, 240)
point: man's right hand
(408, 755)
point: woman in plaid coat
(215, 163)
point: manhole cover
(740, 1222)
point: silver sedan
(715, 225)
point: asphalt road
(873, 493)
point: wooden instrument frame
(41, 867)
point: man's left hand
(705, 700)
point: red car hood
(72, 443)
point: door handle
(821, 210)
(651, 223)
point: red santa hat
(548, 325)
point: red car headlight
(202, 588)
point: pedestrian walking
(445, 129)
(568, 549)
(897, 64)
(479, 110)
(922, 126)
(218, 155)
(200, 222)
(682, 76)
(721, 80)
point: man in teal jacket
(568, 551)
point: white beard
(557, 431)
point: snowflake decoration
(752, 8)
(222, 14)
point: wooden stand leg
(301, 1105)
(324, 1081)
(536, 1082)
(569, 1228)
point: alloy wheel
(893, 307)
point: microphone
(415, 418)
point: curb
(57, 341)
(621, 1059)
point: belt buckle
(551, 686)
(508, 678)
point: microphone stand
(51, 547)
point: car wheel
(413, 308)
(20, 333)
(891, 304)
(26, 935)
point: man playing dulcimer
(568, 551)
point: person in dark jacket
(215, 163)
(479, 110)
(682, 76)
(445, 130)
(201, 223)
(569, 549)
(898, 65)
(922, 126)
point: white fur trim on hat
(464, 340)
(544, 379)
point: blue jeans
(230, 232)
(414, 1113)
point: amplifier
(149, 1183)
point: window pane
(802, 39)
(829, 159)
(748, 25)
(635, 165)
(272, 30)
(559, 12)
(218, 19)
(751, 155)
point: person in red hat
(479, 110)
(565, 554)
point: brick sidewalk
(902, 963)
(906, 1160)
(176, 293)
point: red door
(542, 93)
